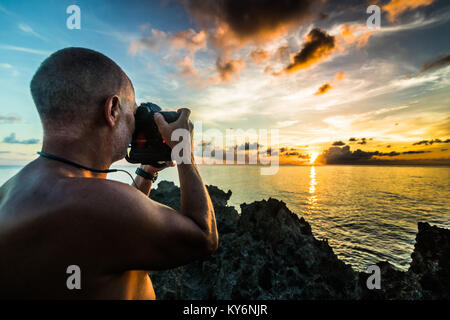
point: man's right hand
(166, 129)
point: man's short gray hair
(73, 82)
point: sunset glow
(312, 157)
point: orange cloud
(339, 76)
(317, 47)
(227, 68)
(354, 33)
(189, 40)
(224, 41)
(347, 33)
(186, 67)
(396, 7)
(260, 55)
(364, 39)
(323, 89)
(327, 86)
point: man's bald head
(74, 83)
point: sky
(337, 91)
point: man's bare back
(41, 236)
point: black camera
(147, 145)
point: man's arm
(144, 185)
(195, 201)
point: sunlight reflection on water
(312, 198)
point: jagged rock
(431, 261)
(167, 193)
(227, 217)
(267, 252)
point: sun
(312, 157)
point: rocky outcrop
(431, 261)
(267, 252)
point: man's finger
(170, 164)
(161, 123)
(185, 112)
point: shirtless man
(53, 215)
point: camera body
(147, 145)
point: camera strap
(72, 163)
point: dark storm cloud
(338, 155)
(363, 141)
(415, 152)
(289, 152)
(285, 151)
(12, 139)
(249, 146)
(387, 154)
(229, 25)
(435, 63)
(237, 154)
(304, 156)
(359, 140)
(338, 143)
(430, 142)
(251, 18)
(323, 16)
(208, 150)
(318, 46)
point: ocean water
(367, 213)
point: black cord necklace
(53, 157)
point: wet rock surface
(268, 252)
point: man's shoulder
(104, 201)
(95, 191)
(100, 185)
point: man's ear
(112, 110)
